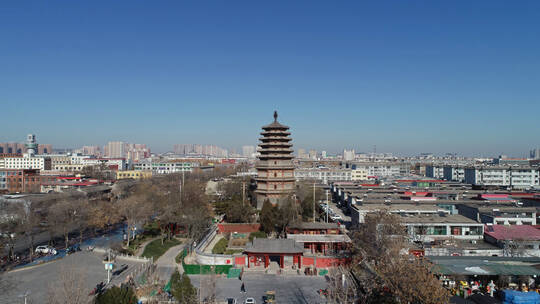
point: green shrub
(117, 295)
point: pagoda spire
(275, 116)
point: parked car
(231, 301)
(335, 217)
(73, 248)
(46, 250)
(249, 301)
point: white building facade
(511, 177)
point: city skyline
(406, 77)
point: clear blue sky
(407, 76)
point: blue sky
(407, 76)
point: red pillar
(281, 261)
(266, 262)
(249, 257)
(299, 262)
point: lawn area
(155, 249)
(221, 248)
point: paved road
(166, 264)
(37, 280)
(289, 289)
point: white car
(336, 217)
(249, 301)
(46, 250)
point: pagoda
(275, 169)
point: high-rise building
(115, 149)
(275, 169)
(348, 155)
(248, 151)
(535, 153)
(302, 153)
(22, 148)
(313, 154)
(323, 154)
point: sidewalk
(141, 248)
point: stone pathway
(166, 264)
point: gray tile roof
(273, 246)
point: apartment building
(323, 174)
(359, 174)
(27, 162)
(382, 169)
(165, 167)
(435, 171)
(454, 173)
(516, 177)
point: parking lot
(85, 267)
(289, 289)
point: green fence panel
(204, 269)
(234, 273)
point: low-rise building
(499, 215)
(435, 227)
(25, 180)
(112, 163)
(134, 174)
(359, 212)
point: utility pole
(243, 193)
(327, 206)
(314, 201)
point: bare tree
(29, 220)
(70, 288)
(102, 214)
(135, 211)
(385, 270)
(341, 287)
(63, 215)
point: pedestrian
(242, 288)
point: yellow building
(135, 174)
(359, 174)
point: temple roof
(274, 246)
(275, 124)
